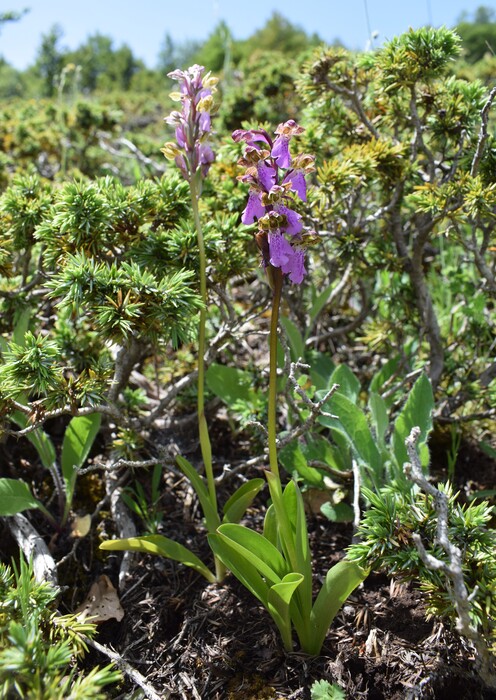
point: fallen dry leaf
(80, 525)
(102, 602)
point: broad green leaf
(16, 496)
(241, 499)
(303, 556)
(379, 415)
(285, 589)
(229, 383)
(338, 513)
(21, 327)
(285, 516)
(321, 369)
(270, 530)
(79, 437)
(379, 379)
(278, 605)
(296, 342)
(293, 460)
(209, 511)
(348, 383)
(290, 503)
(353, 425)
(257, 550)
(340, 581)
(301, 606)
(416, 412)
(162, 546)
(229, 554)
(319, 448)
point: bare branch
(453, 567)
(482, 134)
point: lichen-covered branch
(452, 568)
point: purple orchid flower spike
(192, 152)
(275, 178)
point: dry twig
(453, 567)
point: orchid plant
(276, 565)
(193, 155)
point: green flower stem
(274, 479)
(276, 276)
(205, 446)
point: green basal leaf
(290, 502)
(162, 546)
(229, 383)
(21, 327)
(234, 559)
(78, 440)
(278, 605)
(241, 500)
(296, 342)
(261, 553)
(212, 519)
(16, 496)
(416, 412)
(348, 383)
(270, 529)
(341, 580)
(353, 425)
(301, 605)
(379, 415)
(285, 516)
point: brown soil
(193, 640)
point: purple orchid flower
(192, 152)
(275, 178)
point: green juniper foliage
(385, 544)
(402, 183)
(39, 648)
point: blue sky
(143, 24)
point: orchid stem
(272, 407)
(205, 446)
(273, 477)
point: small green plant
(235, 387)
(16, 496)
(148, 510)
(367, 435)
(39, 648)
(323, 690)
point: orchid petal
(254, 209)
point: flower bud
(170, 150)
(205, 104)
